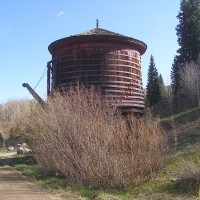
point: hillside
(187, 125)
(181, 177)
(178, 180)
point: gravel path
(15, 186)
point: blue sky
(27, 27)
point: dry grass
(185, 173)
(80, 137)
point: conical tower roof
(99, 35)
(99, 31)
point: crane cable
(42, 76)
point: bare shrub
(11, 111)
(78, 136)
(190, 82)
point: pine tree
(153, 88)
(161, 86)
(188, 30)
(175, 73)
(188, 33)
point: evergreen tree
(161, 86)
(175, 73)
(188, 33)
(188, 30)
(153, 88)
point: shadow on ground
(12, 161)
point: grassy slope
(176, 181)
(179, 179)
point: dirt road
(14, 186)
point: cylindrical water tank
(104, 59)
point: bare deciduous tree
(190, 82)
(11, 111)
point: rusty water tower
(104, 59)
